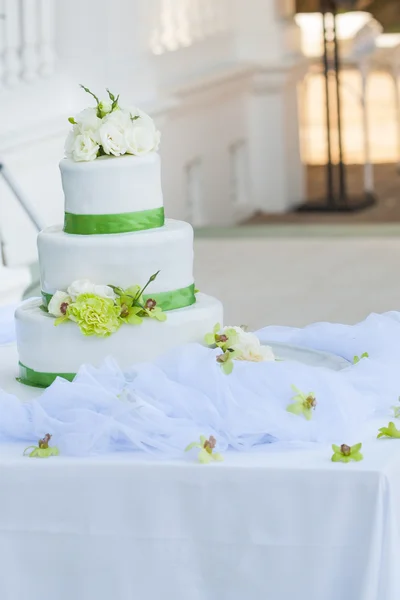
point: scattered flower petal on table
(390, 431)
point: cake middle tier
(121, 260)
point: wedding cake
(117, 278)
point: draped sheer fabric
(161, 407)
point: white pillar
(12, 40)
(272, 43)
(29, 54)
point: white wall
(225, 100)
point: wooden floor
(386, 210)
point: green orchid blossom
(42, 450)
(226, 360)
(303, 404)
(153, 311)
(346, 453)
(357, 359)
(225, 340)
(206, 446)
(133, 307)
(390, 431)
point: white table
(280, 524)
(277, 525)
(283, 523)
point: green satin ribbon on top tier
(165, 300)
(119, 223)
(37, 379)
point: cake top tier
(111, 174)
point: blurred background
(281, 140)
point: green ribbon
(165, 300)
(37, 379)
(120, 223)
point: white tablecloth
(283, 524)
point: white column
(29, 54)
(12, 41)
(46, 37)
(268, 41)
(2, 36)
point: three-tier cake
(117, 278)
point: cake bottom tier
(46, 351)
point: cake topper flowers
(108, 129)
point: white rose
(139, 140)
(84, 286)
(59, 303)
(81, 147)
(142, 136)
(112, 133)
(105, 291)
(250, 347)
(88, 122)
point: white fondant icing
(110, 185)
(63, 349)
(121, 259)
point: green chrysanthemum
(95, 315)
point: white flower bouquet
(108, 129)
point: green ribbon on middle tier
(165, 300)
(119, 223)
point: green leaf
(355, 449)
(44, 308)
(218, 457)
(204, 457)
(296, 408)
(134, 319)
(227, 367)
(307, 412)
(117, 290)
(60, 320)
(160, 316)
(209, 339)
(192, 445)
(217, 328)
(111, 96)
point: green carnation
(95, 315)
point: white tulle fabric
(161, 407)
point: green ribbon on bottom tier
(37, 379)
(120, 223)
(165, 300)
